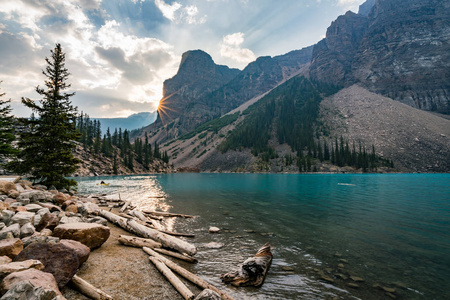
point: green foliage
(48, 141)
(213, 125)
(292, 108)
(6, 129)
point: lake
(391, 230)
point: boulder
(4, 205)
(7, 186)
(98, 220)
(27, 230)
(21, 208)
(49, 221)
(46, 232)
(13, 194)
(33, 207)
(50, 206)
(5, 260)
(9, 200)
(26, 290)
(19, 188)
(13, 230)
(73, 208)
(89, 208)
(90, 234)
(208, 294)
(6, 216)
(68, 220)
(35, 277)
(39, 214)
(60, 198)
(81, 250)
(22, 217)
(18, 266)
(66, 203)
(10, 247)
(58, 259)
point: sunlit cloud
(231, 48)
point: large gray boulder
(26, 290)
(22, 217)
(12, 230)
(37, 278)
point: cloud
(175, 12)
(168, 10)
(231, 48)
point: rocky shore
(47, 235)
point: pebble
(341, 276)
(338, 255)
(353, 285)
(249, 231)
(388, 289)
(356, 278)
(214, 229)
(326, 278)
(391, 295)
(341, 266)
(344, 261)
(286, 268)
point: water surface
(391, 230)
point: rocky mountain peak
(196, 61)
(366, 7)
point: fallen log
(177, 284)
(166, 214)
(252, 271)
(125, 206)
(186, 274)
(88, 289)
(143, 231)
(149, 224)
(175, 254)
(138, 242)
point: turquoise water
(391, 230)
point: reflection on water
(391, 230)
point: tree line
(290, 114)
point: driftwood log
(174, 280)
(143, 231)
(174, 254)
(125, 206)
(88, 289)
(138, 242)
(252, 271)
(186, 274)
(165, 214)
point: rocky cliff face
(202, 90)
(197, 76)
(401, 50)
(333, 56)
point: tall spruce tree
(47, 144)
(6, 129)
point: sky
(119, 52)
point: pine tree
(6, 129)
(47, 144)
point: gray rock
(40, 239)
(208, 294)
(213, 245)
(33, 207)
(6, 216)
(22, 217)
(26, 290)
(13, 229)
(214, 229)
(19, 188)
(68, 220)
(98, 220)
(27, 230)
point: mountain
(200, 91)
(359, 100)
(397, 48)
(132, 122)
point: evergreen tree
(6, 129)
(47, 145)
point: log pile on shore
(46, 235)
